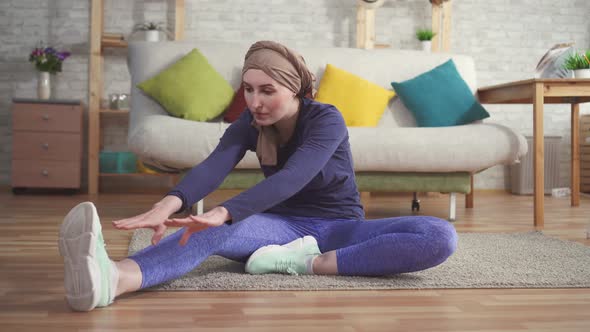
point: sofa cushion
(236, 107)
(361, 102)
(435, 149)
(172, 143)
(190, 88)
(440, 97)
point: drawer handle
(45, 117)
(45, 172)
(45, 146)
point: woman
(304, 218)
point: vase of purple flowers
(47, 61)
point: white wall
(506, 39)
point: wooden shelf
(441, 26)
(99, 41)
(118, 41)
(110, 112)
(116, 175)
(138, 183)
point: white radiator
(521, 174)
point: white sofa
(394, 156)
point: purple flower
(63, 55)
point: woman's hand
(153, 219)
(212, 218)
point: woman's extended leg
(92, 280)
(169, 260)
(384, 246)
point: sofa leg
(469, 197)
(365, 198)
(452, 206)
(200, 206)
(415, 203)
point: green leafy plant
(577, 60)
(159, 26)
(425, 34)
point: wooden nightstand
(46, 144)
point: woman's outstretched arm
(198, 183)
(208, 175)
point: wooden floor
(31, 278)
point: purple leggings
(363, 248)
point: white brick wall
(506, 39)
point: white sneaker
(290, 258)
(308, 243)
(88, 271)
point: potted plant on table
(152, 30)
(579, 62)
(47, 61)
(425, 37)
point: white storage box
(521, 174)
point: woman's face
(268, 100)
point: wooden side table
(539, 92)
(46, 144)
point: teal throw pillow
(439, 98)
(190, 88)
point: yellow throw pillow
(361, 102)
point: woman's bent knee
(442, 241)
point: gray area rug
(516, 260)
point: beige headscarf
(287, 68)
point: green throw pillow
(439, 98)
(190, 88)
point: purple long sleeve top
(314, 175)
